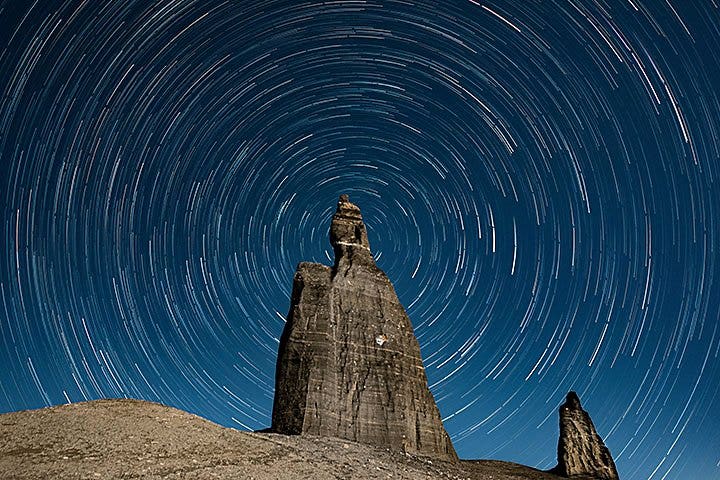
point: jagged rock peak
(348, 235)
(581, 451)
(349, 365)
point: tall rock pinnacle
(349, 365)
(581, 451)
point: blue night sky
(539, 180)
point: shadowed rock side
(581, 451)
(349, 365)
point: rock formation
(581, 451)
(349, 365)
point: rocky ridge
(132, 439)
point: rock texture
(349, 365)
(581, 451)
(132, 439)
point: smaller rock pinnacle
(581, 451)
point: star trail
(539, 180)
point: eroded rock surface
(349, 365)
(581, 451)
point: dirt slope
(130, 439)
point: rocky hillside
(132, 439)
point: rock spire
(349, 365)
(581, 451)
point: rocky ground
(130, 439)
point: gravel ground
(131, 439)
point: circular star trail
(539, 180)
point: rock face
(581, 451)
(349, 365)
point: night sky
(539, 180)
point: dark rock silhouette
(581, 451)
(349, 365)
